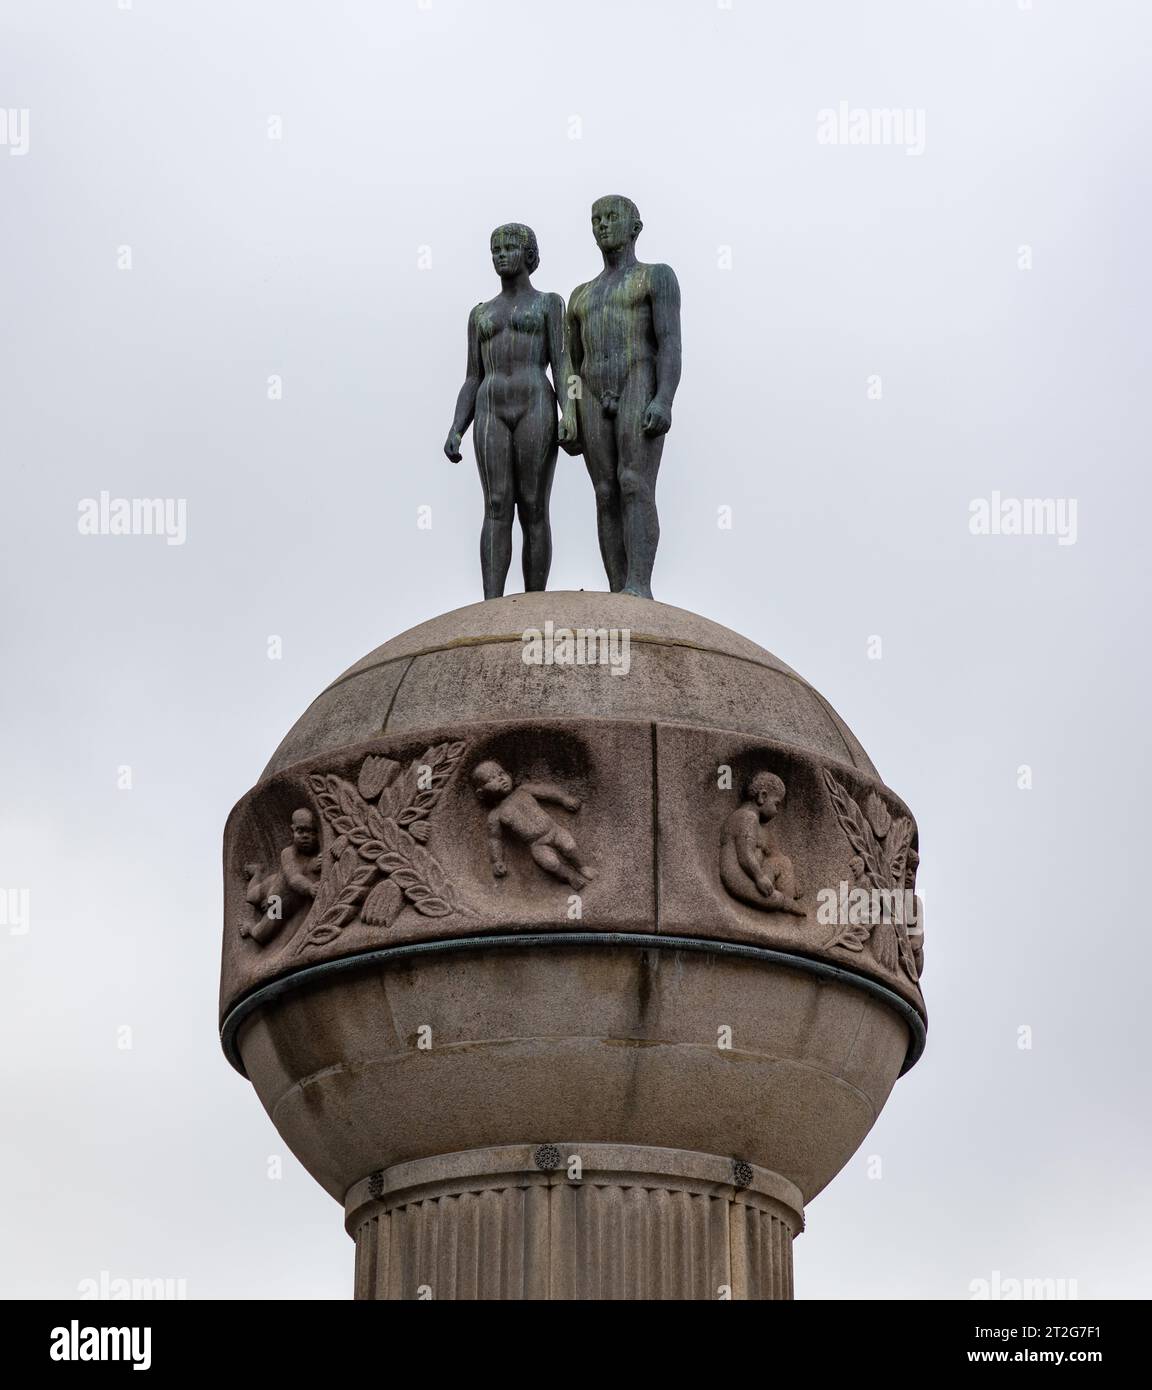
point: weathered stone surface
(630, 778)
(693, 899)
(607, 765)
(469, 665)
(607, 900)
(483, 623)
(708, 1053)
(574, 1221)
(656, 792)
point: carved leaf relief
(377, 863)
(884, 865)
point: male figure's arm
(466, 400)
(664, 298)
(561, 372)
(546, 791)
(573, 386)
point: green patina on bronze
(623, 343)
(615, 363)
(513, 340)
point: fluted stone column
(574, 1221)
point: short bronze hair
(527, 238)
(634, 211)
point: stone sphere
(572, 866)
(469, 666)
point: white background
(407, 127)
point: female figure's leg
(493, 442)
(535, 446)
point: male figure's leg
(638, 464)
(598, 435)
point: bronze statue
(624, 347)
(512, 341)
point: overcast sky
(876, 336)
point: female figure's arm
(558, 358)
(567, 363)
(466, 400)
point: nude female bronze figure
(512, 342)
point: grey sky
(408, 127)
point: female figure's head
(514, 250)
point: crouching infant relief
(752, 867)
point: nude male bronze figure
(512, 341)
(624, 347)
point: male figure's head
(490, 781)
(615, 222)
(767, 791)
(514, 249)
(304, 831)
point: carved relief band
(571, 825)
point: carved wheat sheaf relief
(378, 862)
(883, 860)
